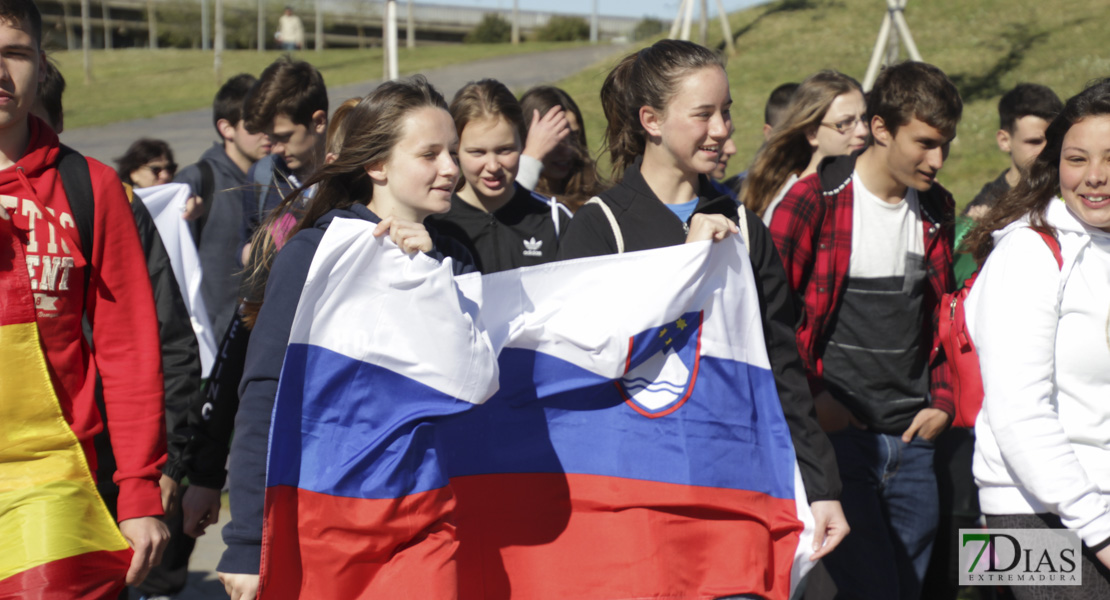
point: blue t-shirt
(684, 210)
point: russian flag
(634, 448)
(57, 539)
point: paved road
(190, 133)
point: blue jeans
(890, 501)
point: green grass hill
(985, 46)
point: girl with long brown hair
(826, 117)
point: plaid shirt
(812, 229)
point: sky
(662, 9)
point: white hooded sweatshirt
(1043, 338)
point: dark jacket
(265, 353)
(217, 234)
(260, 199)
(522, 233)
(647, 223)
(180, 352)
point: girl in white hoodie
(1042, 453)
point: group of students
(850, 237)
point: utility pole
(86, 40)
(152, 24)
(677, 23)
(218, 43)
(410, 29)
(593, 24)
(319, 25)
(107, 18)
(391, 40)
(205, 35)
(261, 26)
(516, 22)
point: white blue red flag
(631, 443)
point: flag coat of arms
(601, 428)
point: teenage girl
(668, 112)
(502, 224)
(826, 117)
(396, 167)
(563, 169)
(1042, 332)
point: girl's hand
(710, 227)
(546, 132)
(410, 237)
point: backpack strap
(555, 215)
(1054, 245)
(77, 183)
(612, 221)
(742, 218)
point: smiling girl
(1041, 331)
(396, 166)
(502, 224)
(668, 112)
(826, 117)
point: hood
(218, 157)
(354, 211)
(41, 154)
(1059, 216)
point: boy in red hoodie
(107, 283)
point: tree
(562, 28)
(647, 27)
(493, 29)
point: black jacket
(522, 233)
(180, 352)
(646, 223)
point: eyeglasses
(156, 170)
(847, 125)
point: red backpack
(963, 360)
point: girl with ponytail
(668, 112)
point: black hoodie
(646, 223)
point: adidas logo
(532, 247)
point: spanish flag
(57, 539)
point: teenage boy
(290, 105)
(84, 260)
(221, 174)
(773, 112)
(867, 246)
(1023, 116)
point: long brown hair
(645, 78)
(373, 127)
(583, 181)
(1036, 189)
(788, 151)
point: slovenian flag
(57, 539)
(632, 444)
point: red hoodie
(120, 307)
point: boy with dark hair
(49, 105)
(1023, 116)
(867, 246)
(70, 256)
(776, 106)
(290, 105)
(219, 178)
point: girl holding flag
(667, 108)
(397, 165)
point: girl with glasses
(826, 117)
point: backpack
(963, 360)
(73, 169)
(207, 190)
